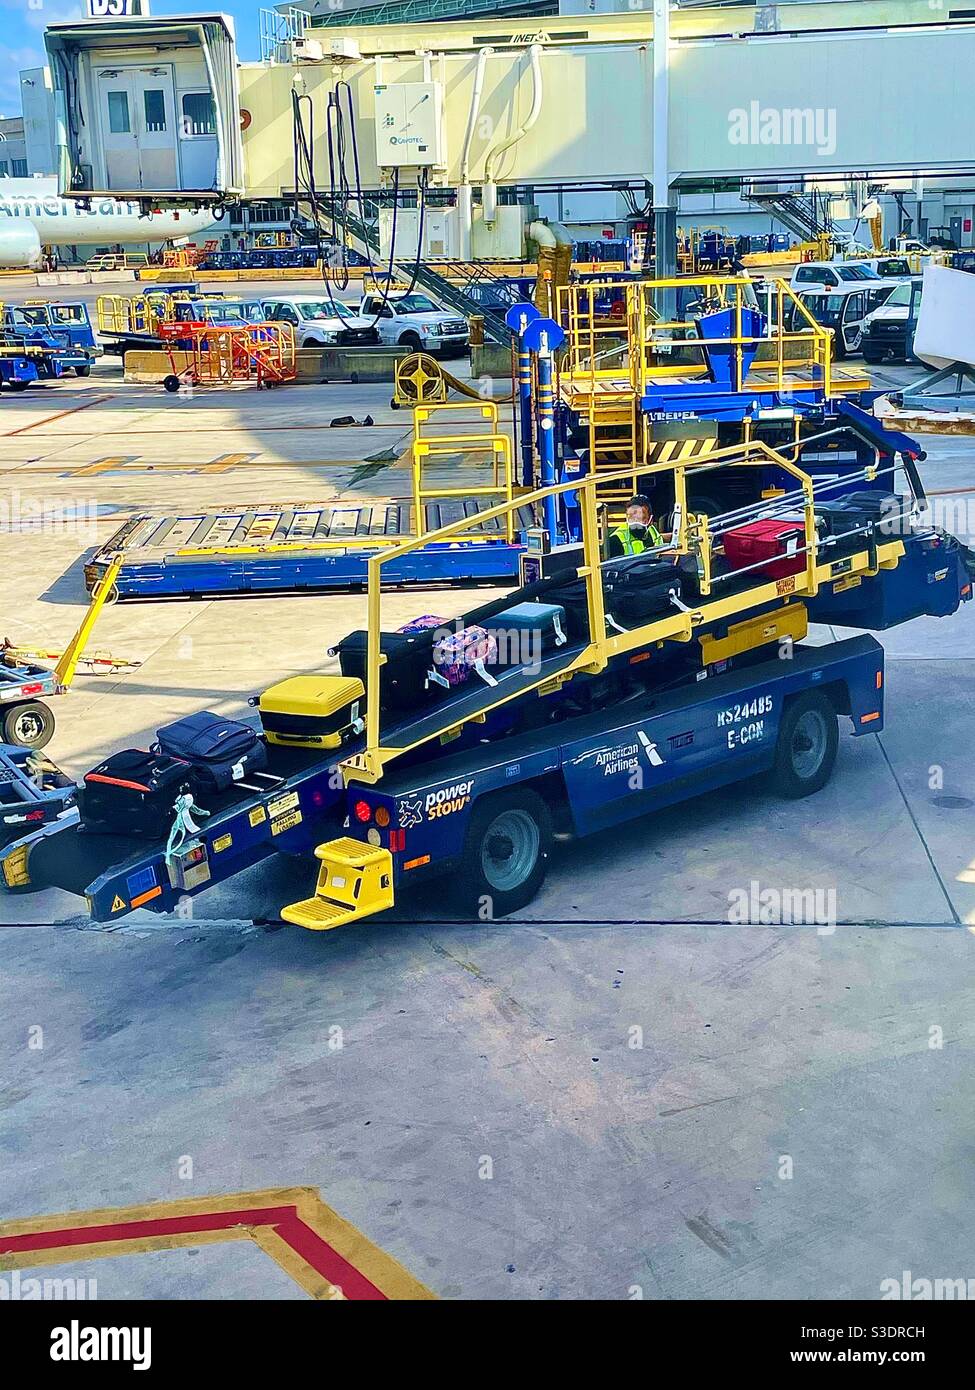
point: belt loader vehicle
(404, 767)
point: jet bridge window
(199, 115)
(118, 113)
(154, 101)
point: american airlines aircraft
(32, 215)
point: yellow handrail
(693, 537)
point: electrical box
(409, 125)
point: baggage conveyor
(477, 775)
(291, 547)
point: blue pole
(546, 437)
(525, 400)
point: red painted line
(327, 1261)
(48, 419)
(305, 1242)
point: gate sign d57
(118, 9)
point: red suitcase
(778, 543)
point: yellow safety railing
(654, 349)
(693, 537)
(142, 313)
(491, 441)
(117, 260)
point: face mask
(637, 531)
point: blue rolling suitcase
(220, 751)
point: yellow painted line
(103, 465)
(324, 1254)
(227, 461)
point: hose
(489, 195)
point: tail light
(363, 812)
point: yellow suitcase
(312, 711)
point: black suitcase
(134, 793)
(403, 676)
(571, 596)
(221, 751)
(638, 588)
(834, 519)
(885, 509)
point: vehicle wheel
(874, 358)
(411, 341)
(505, 854)
(710, 506)
(313, 342)
(806, 748)
(394, 403)
(31, 725)
(83, 371)
(171, 383)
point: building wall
(13, 148)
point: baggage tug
(600, 691)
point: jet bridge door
(137, 114)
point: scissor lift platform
(284, 547)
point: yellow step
(354, 881)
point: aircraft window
(199, 115)
(118, 113)
(154, 101)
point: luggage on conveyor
(780, 544)
(133, 793)
(220, 751)
(835, 519)
(459, 655)
(639, 588)
(885, 509)
(312, 711)
(570, 595)
(421, 624)
(403, 676)
(526, 630)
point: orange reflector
(966, 591)
(880, 679)
(869, 718)
(415, 863)
(640, 656)
(382, 815)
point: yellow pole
(64, 671)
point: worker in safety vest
(638, 532)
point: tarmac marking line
(49, 419)
(325, 1255)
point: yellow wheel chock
(354, 880)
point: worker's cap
(639, 501)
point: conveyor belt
(288, 546)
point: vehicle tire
(805, 751)
(703, 502)
(874, 358)
(171, 383)
(411, 341)
(313, 342)
(83, 371)
(31, 724)
(505, 854)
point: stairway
(801, 213)
(613, 444)
(364, 236)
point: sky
(22, 25)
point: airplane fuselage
(63, 222)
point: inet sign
(117, 9)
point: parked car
(321, 322)
(888, 331)
(413, 320)
(843, 310)
(831, 274)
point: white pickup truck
(413, 320)
(321, 322)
